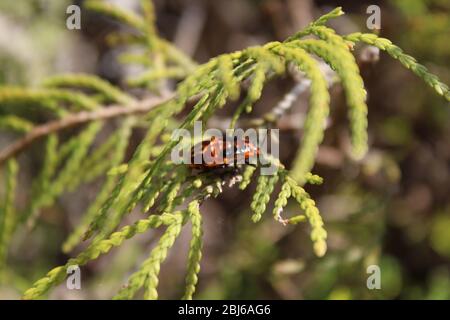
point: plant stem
(80, 118)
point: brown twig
(77, 119)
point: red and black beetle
(222, 152)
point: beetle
(222, 153)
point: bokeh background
(393, 209)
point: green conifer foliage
(168, 194)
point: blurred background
(393, 209)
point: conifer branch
(78, 119)
(149, 181)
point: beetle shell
(220, 153)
